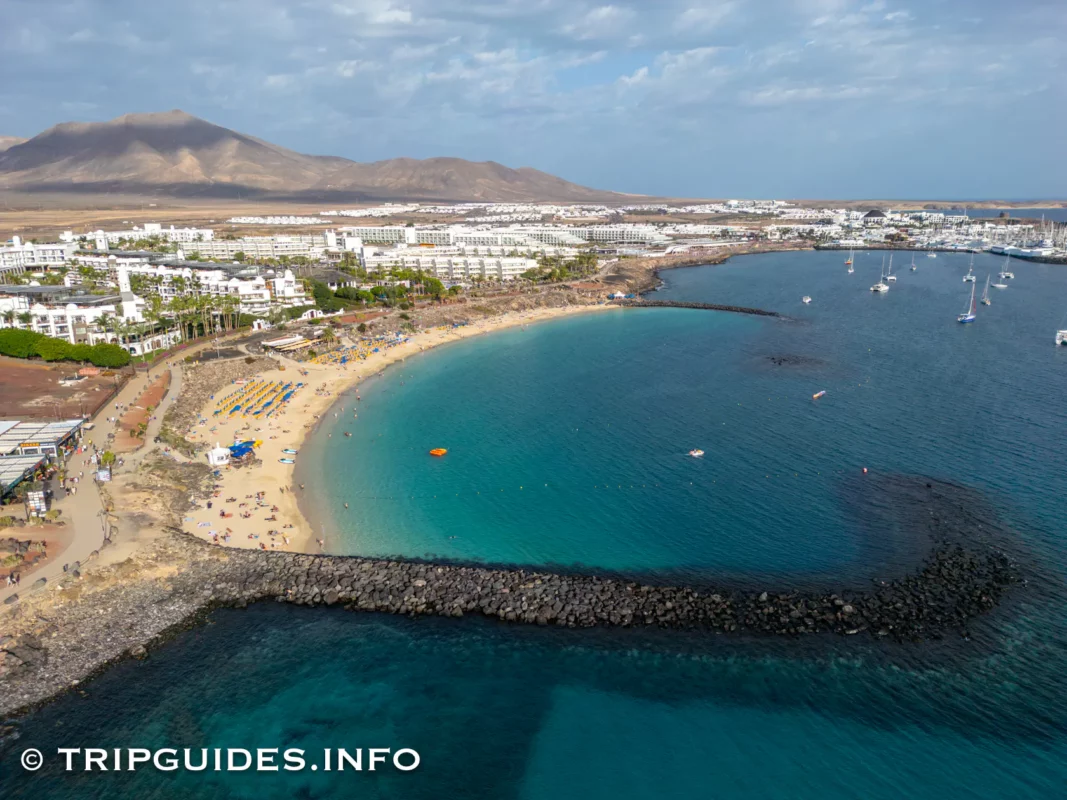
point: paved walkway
(85, 510)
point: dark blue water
(511, 712)
(1053, 214)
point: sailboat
(1004, 270)
(881, 286)
(969, 277)
(971, 314)
(913, 267)
(848, 261)
(889, 275)
(985, 294)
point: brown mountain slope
(9, 141)
(455, 179)
(175, 154)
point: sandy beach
(260, 499)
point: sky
(893, 99)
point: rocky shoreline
(53, 642)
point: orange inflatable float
(438, 451)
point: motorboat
(289, 451)
(1061, 337)
(805, 300)
(696, 453)
(818, 394)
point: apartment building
(17, 257)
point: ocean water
(602, 409)
(1053, 214)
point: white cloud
(704, 18)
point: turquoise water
(510, 712)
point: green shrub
(19, 343)
(7, 522)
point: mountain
(176, 154)
(9, 141)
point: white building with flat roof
(17, 256)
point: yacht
(971, 314)
(1004, 270)
(881, 286)
(1061, 337)
(985, 295)
(848, 261)
(889, 276)
(931, 255)
(913, 267)
(969, 277)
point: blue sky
(699, 98)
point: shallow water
(513, 712)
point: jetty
(635, 303)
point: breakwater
(53, 641)
(704, 306)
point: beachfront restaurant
(31, 438)
(15, 469)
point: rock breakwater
(51, 642)
(703, 306)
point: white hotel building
(255, 294)
(450, 264)
(57, 312)
(17, 257)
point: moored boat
(805, 299)
(696, 453)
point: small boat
(971, 314)
(818, 394)
(805, 299)
(969, 277)
(913, 267)
(696, 453)
(931, 255)
(1061, 337)
(286, 461)
(985, 295)
(889, 276)
(438, 452)
(289, 451)
(1000, 286)
(848, 261)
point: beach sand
(288, 428)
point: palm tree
(9, 318)
(328, 336)
(105, 321)
(25, 318)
